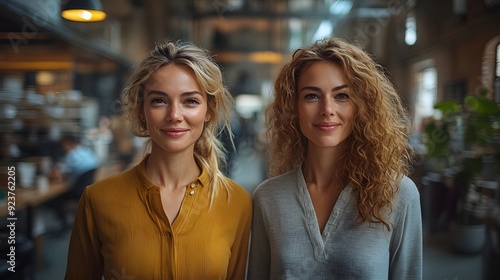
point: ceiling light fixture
(82, 10)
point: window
(426, 94)
(497, 74)
(497, 68)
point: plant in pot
(476, 168)
(444, 145)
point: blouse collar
(203, 179)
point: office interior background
(59, 76)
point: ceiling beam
(265, 14)
(319, 15)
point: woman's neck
(171, 170)
(322, 169)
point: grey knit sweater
(287, 243)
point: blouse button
(191, 192)
(193, 185)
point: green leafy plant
(464, 140)
(441, 134)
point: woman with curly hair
(340, 205)
(174, 215)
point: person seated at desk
(78, 162)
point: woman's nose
(174, 113)
(327, 107)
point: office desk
(31, 197)
(27, 199)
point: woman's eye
(157, 101)
(192, 102)
(311, 96)
(342, 96)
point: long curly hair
(208, 151)
(377, 154)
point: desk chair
(82, 182)
(73, 196)
(65, 206)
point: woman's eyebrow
(159, 92)
(313, 88)
(339, 87)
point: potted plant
(443, 143)
(470, 138)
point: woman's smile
(175, 132)
(327, 126)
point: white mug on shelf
(42, 183)
(27, 173)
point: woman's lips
(327, 127)
(175, 132)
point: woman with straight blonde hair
(174, 215)
(340, 204)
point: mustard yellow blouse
(122, 232)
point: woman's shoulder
(113, 183)
(236, 198)
(277, 184)
(407, 191)
(236, 190)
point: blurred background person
(77, 160)
(77, 167)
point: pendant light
(82, 10)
